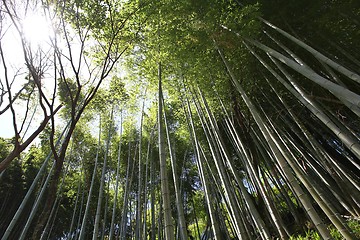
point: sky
(6, 127)
(12, 51)
(37, 31)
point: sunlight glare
(36, 29)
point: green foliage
(184, 42)
(70, 95)
(354, 226)
(114, 95)
(31, 164)
(309, 234)
(193, 228)
(68, 89)
(84, 12)
(5, 147)
(28, 91)
(15, 181)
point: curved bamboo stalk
(276, 170)
(87, 208)
(106, 210)
(31, 189)
(316, 53)
(238, 145)
(350, 105)
(223, 213)
(213, 140)
(56, 204)
(129, 178)
(69, 235)
(213, 220)
(112, 224)
(179, 203)
(149, 151)
(169, 227)
(102, 182)
(36, 204)
(348, 140)
(152, 199)
(325, 205)
(339, 91)
(138, 230)
(78, 225)
(317, 150)
(279, 157)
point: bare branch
(21, 147)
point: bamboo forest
(187, 119)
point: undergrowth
(354, 226)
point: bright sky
(37, 32)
